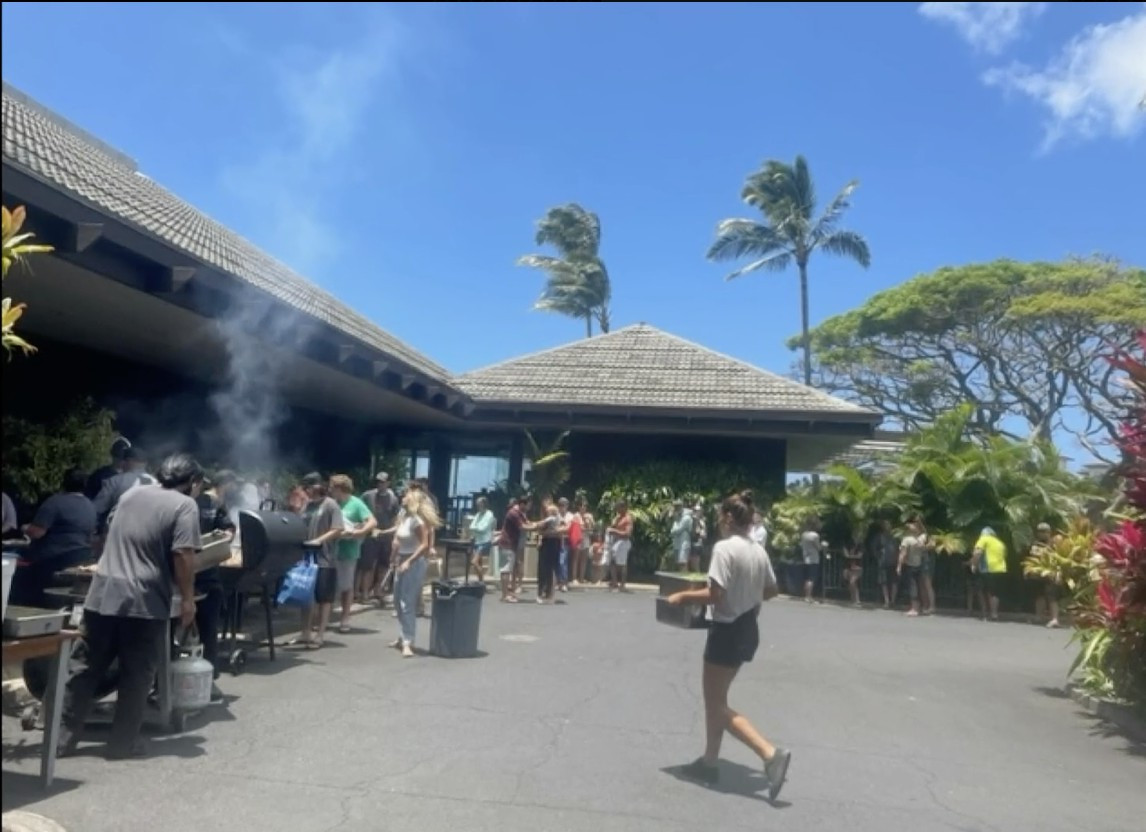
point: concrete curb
(941, 612)
(1122, 716)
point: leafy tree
(791, 231)
(577, 283)
(1022, 343)
(16, 248)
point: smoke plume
(249, 402)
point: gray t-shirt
(810, 547)
(741, 567)
(914, 548)
(135, 575)
(322, 517)
(886, 550)
(68, 521)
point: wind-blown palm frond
(847, 244)
(786, 196)
(577, 283)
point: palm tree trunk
(805, 330)
(806, 337)
(589, 325)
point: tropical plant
(791, 231)
(650, 489)
(577, 283)
(549, 467)
(38, 454)
(16, 248)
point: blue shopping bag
(298, 583)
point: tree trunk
(806, 337)
(589, 325)
(805, 329)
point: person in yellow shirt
(990, 562)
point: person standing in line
(990, 561)
(374, 565)
(681, 534)
(912, 550)
(620, 533)
(565, 564)
(549, 548)
(510, 544)
(887, 562)
(481, 532)
(1046, 539)
(740, 579)
(325, 525)
(699, 538)
(926, 571)
(810, 548)
(759, 532)
(358, 524)
(149, 552)
(584, 551)
(412, 547)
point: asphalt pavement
(576, 716)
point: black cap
(312, 479)
(135, 454)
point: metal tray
(29, 622)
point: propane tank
(191, 675)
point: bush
(650, 489)
(37, 455)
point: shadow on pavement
(22, 790)
(1134, 746)
(734, 779)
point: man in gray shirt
(150, 551)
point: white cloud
(323, 98)
(986, 26)
(1094, 87)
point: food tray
(29, 622)
(684, 616)
(216, 550)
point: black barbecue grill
(272, 542)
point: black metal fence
(950, 580)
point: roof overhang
(160, 279)
(811, 437)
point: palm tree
(786, 196)
(577, 282)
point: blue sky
(399, 156)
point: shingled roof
(642, 367)
(51, 149)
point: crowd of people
(905, 565)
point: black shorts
(326, 585)
(734, 643)
(993, 582)
(372, 548)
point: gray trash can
(456, 619)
